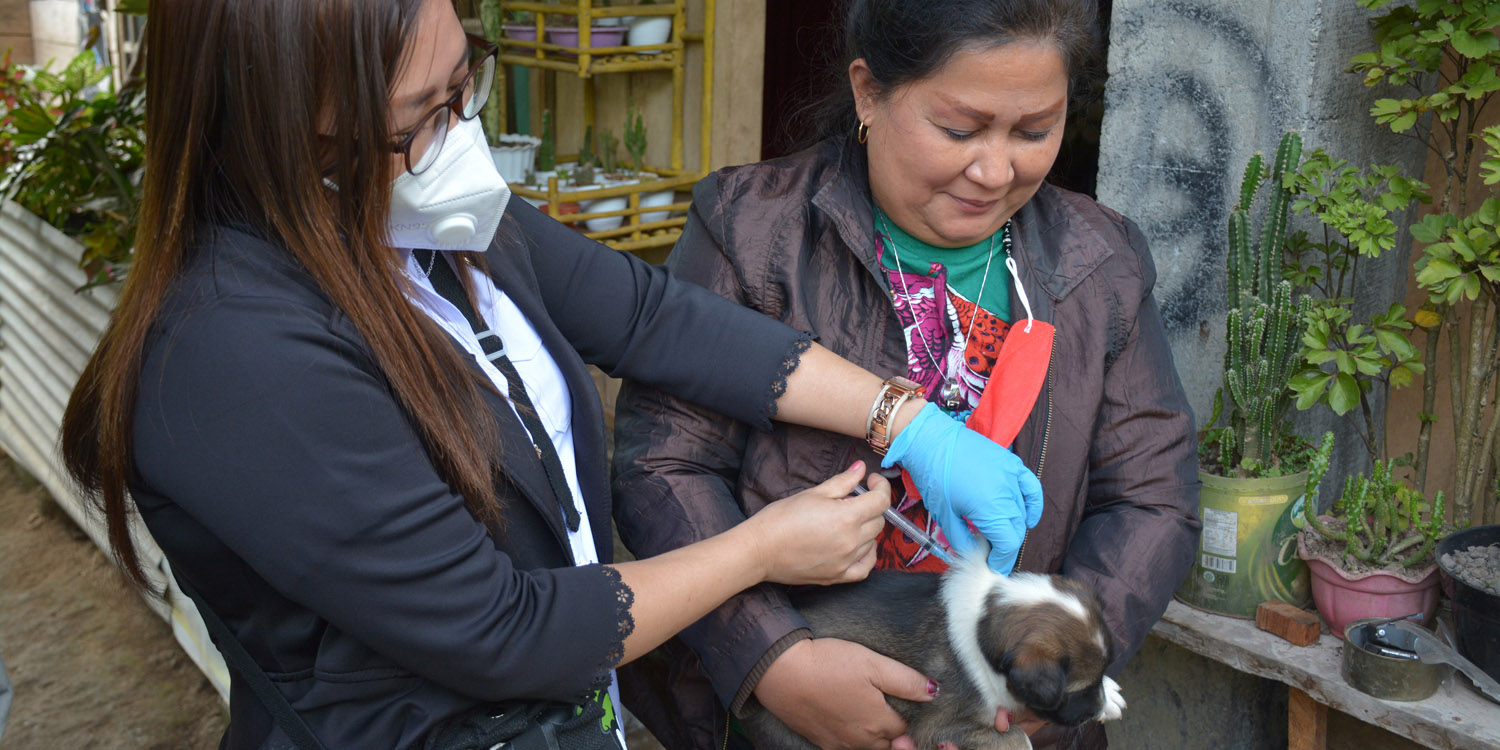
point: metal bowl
(1384, 672)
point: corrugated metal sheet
(47, 332)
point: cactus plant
(1265, 324)
(586, 157)
(1378, 519)
(493, 21)
(609, 148)
(635, 137)
(546, 153)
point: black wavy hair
(907, 40)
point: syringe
(910, 529)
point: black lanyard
(446, 283)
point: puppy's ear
(1039, 683)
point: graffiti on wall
(1183, 78)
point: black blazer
(282, 480)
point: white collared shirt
(540, 376)
(539, 373)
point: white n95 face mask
(456, 203)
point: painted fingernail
(855, 465)
(933, 688)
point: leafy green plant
(609, 151)
(635, 137)
(1379, 520)
(1264, 325)
(72, 152)
(1446, 58)
(546, 153)
(1346, 361)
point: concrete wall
(1195, 88)
(54, 31)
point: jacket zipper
(1041, 462)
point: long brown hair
(235, 92)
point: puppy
(1029, 642)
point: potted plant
(518, 24)
(546, 152)
(1372, 555)
(635, 137)
(515, 156)
(649, 30)
(1254, 469)
(72, 153)
(586, 175)
(609, 157)
(1469, 562)
(635, 145)
(603, 32)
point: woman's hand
(965, 475)
(822, 535)
(832, 692)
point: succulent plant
(1378, 518)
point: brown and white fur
(1028, 643)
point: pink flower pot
(1342, 598)
(524, 32)
(599, 36)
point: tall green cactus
(635, 137)
(546, 152)
(493, 21)
(1265, 324)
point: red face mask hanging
(1015, 382)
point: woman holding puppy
(345, 388)
(919, 234)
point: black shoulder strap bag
(511, 725)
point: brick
(1295, 625)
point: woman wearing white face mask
(383, 467)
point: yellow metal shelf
(586, 61)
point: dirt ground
(92, 666)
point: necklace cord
(1003, 232)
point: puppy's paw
(1114, 701)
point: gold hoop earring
(862, 132)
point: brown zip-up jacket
(1111, 435)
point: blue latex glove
(965, 475)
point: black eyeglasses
(420, 147)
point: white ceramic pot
(515, 156)
(606, 223)
(649, 30)
(656, 198)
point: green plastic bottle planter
(1248, 551)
